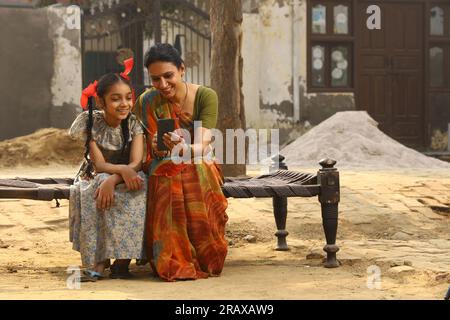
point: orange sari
(185, 226)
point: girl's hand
(104, 194)
(131, 178)
(157, 153)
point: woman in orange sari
(185, 227)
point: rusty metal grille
(118, 30)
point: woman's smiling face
(165, 77)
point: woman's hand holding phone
(171, 139)
(156, 152)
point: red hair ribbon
(128, 66)
(89, 91)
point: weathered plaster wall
(276, 53)
(67, 73)
(267, 53)
(41, 64)
(251, 47)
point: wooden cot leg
(330, 224)
(328, 179)
(280, 213)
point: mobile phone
(164, 126)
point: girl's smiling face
(117, 102)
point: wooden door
(390, 70)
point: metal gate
(115, 30)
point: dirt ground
(396, 222)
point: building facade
(305, 60)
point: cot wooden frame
(278, 185)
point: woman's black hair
(103, 85)
(164, 52)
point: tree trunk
(226, 71)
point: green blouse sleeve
(207, 106)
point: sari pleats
(186, 224)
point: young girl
(107, 216)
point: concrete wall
(40, 59)
(270, 68)
(267, 53)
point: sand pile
(353, 139)
(44, 147)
